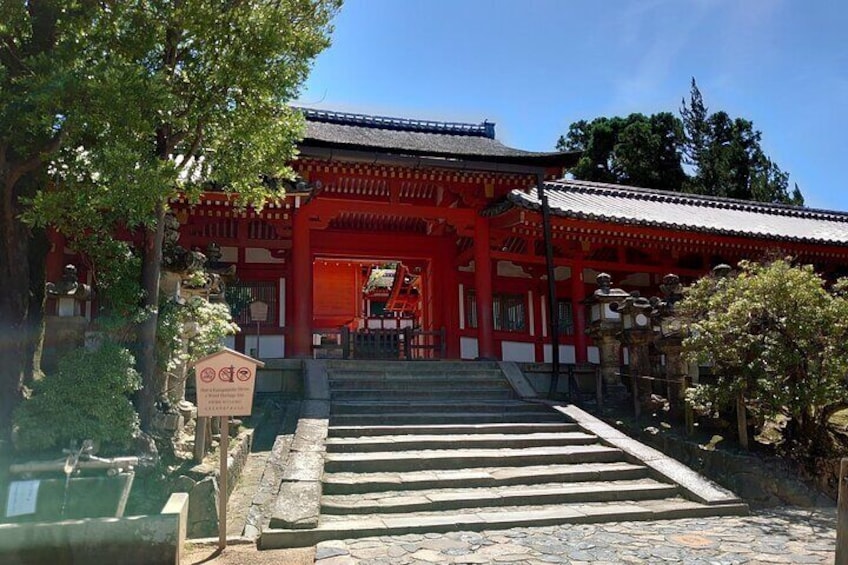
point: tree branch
(195, 143)
(28, 165)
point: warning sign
(225, 383)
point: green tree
(192, 96)
(723, 155)
(637, 150)
(775, 333)
(727, 157)
(46, 61)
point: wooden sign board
(225, 382)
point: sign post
(225, 384)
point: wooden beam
(334, 206)
(595, 265)
(507, 220)
(643, 235)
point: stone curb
(269, 483)
(517, 380)
(695, 486)
(298, 503)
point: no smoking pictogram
(243, 374)
(226, 374)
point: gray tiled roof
(421, 138)
(639, 206)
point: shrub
(87, 398)
(775, 333)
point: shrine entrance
(373, 309)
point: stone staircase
(445, 446)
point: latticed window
(565, 316)
(240, 295)
(470, 309)
(510, 312)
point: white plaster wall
(468, 348)
(260, 255)
(229, 254)
(510, 269)
(270, 346)
(518, 351)
(566, 354)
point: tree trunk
(22, 256)
(151, 268)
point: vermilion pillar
(578, 312)
(483, 289)
(446, 292)
(301, 338)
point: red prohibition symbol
(207, 375)
(226, 374)
(243, 374)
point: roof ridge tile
(484, 129)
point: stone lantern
(604, 328)
(670, 332)
(637, 332)
(66, 329)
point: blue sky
(535, 66)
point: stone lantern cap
(604, 321)
(69, 286)
(605, 291)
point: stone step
(376, 395)
(455, 441)
(451, 383)
(472, 477)
(435, 374)
(507, 428)
(463, 498)
(458, 405)
(460, 458)
(422, 418)
(338, 365)
(344, 527)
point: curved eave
(559, 160)
(630, 222)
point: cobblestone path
(783, 535)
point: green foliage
(116, 269)
(728, 158)
(127, 104)
(638, 150)
(201, 323)
(87, 398)
(776, 333)
(723, 154)
(191, 92)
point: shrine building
(418, 239)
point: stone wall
(761, 481)
(148, 540)
(201, 484)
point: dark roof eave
(532, 160)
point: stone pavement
(780, 535)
